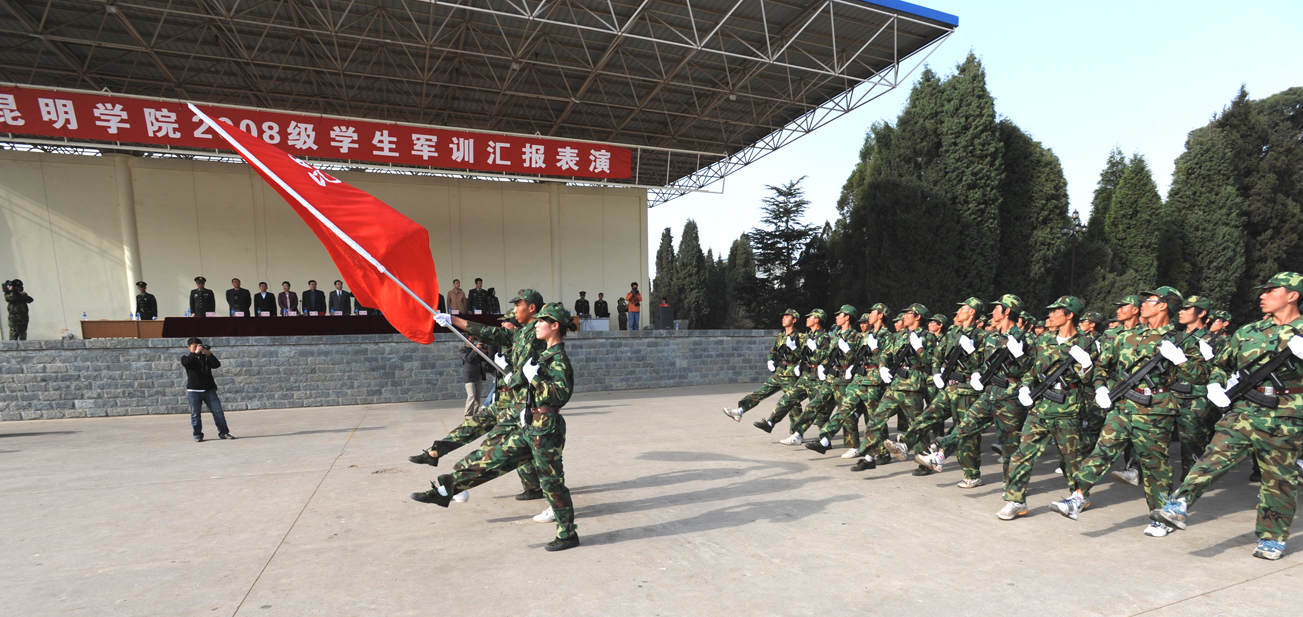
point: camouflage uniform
(955, 396)
(1147, 428)
(784, 358)
(862, 395)
(1047, 419)
(541, 441)
(818, 344)
(1273, 436)
(1192, 423)
(906, 394)
(18, 314)
(829, 390)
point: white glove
(797, 370)
(443, 319)
(885, 374)
(936, 380)
(771, 366)
(1206, 350)
(915, 341)
(1235, 379)
(822, 375)
(524, 416)
(1217, 395)
(843, 345)
(873, 342)
(976, 382)
(811, 344)
(967, 344)
(499, 360)
(530, 370)
(1015, 347)
(1296, 345)
(791, 344)
(850, 373)
(1025, 396)
(1080, 356)
(1101, 398)
(507, 378)
(1172, 352)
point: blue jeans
(633, 320)
(197, 399)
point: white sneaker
(1011, 510)
(999, 460)
(546, 516)
(934, 461)
(1129, 475)
(462, 497)
(1058, 470)
(794, 440)
(735, 413)
(970, 483)
(1157, 529)
(850, 453)
(898, 450)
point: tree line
(952, 201)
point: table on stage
(298, 325)
(122, 328)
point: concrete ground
(681, 512)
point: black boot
(530, 495)
(433, 496)
(557, 544)
(923, 471)
(864, 463)
(1256, 474)
(764, 425)
(817, 446)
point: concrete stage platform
(681, 512)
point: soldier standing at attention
(581, 305)
(202, 301)
(600, 309)
(146, 304)
(17, 301)
(1049, 419)
(238, 299)
(1266, 422)
(782, 358)
(478, 298)
(1146, 417)
(546, 384)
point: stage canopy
(695, 88)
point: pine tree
(663, 282)
(716, 297)
(742, 289)
(691, 280)
(779, 243)
(1212, 214)
(1135, 222)
(972, 169)
(1114, 167)
(1034, 208)
(816, 280)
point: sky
(1080, 77)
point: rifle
(953, 360)
(1127, 387)
(861, 359)
(1247, 387)
(1055, 375)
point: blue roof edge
(914, 9)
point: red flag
(382, 255)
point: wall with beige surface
(80, 230)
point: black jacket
(202, 302)
(599, 309)
(146, 306)
(314, 300)
(581, 307)
(472, 365)
(238, 300)
(341, 301)
(199, 371)
(267, 304)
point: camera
(208, 347)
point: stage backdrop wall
(80, 230)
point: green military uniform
(540, 438)
(146, 303)
(816, 345)
(864, 392)
(954, 395)
(1147, 428)
(202, 301)
(17, 302)
(1272, 435)
(906, 393)
(1192, 422)
(1048, 419)
(998, 403)
(783, 356)
(831, 380)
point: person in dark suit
(599, 307)
(146, 304)
(341, 301)
(581, 305)
(202, 301)
(314, 300)
(478, 298)
(264, 302)
(287, 300)
(238, 298)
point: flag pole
(248, 156)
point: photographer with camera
(200, 388)
(18, 301)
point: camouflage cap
(1292, 281)
(941, 319)
(792, 312)
(1072, 304)
(917, 308)
(1010, 302)
(1198, 302)
(1164, 292)
(1222, 315)
(530, 296)
(899, 317)
(1093, 317)
(556, 312)
(864, 317)
(847, 310)
(1132, 299)
(976, 304)
(880, 307)
(820, 313)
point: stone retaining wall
(116, 377)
